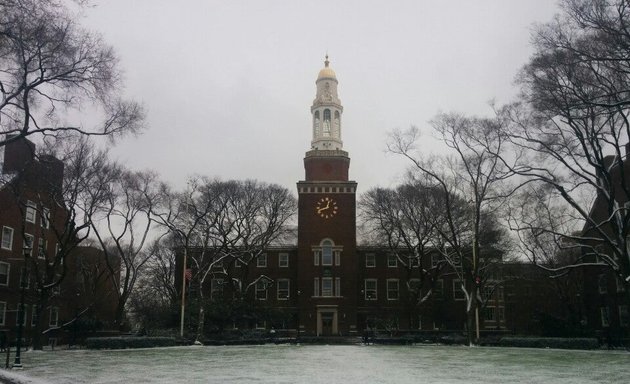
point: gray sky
(228, 84)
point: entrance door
(327, 323)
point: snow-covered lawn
(328, 364)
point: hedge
(124, 342)
(550, 342)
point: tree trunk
(201, 317)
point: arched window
(327, 252)
(316, 123)
(326, 122)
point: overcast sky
(228, 85)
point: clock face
(326, 207)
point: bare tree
(225, 224)
(50, 69)
(120, 208)
(405, 218)
(471, 182)
(570, 126)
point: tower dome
(326, 72)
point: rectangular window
(261, 261)
(25, 279)
(392, 261)
(316, 287)
(41, 248)
(316, 257)
(414, 261)
(261, 290)
(438, 289)
(338, 286)
(31, 211)
(605, 316)
(370, 289)
(489, 314)
(45, 218)
(370, 260)
(54, 316)
(392, 289)
(327, 286)
(3, 312)
(34, 317)
(337, 258)
(458, 293)
(216, 289)
(327, 256)
(624, 316)
(501, 314)
(283, 289)
(29, 242)
(283, 260)
(7, 238)
(602, 283)
(4, 273)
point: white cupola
(326, 111)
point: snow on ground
(326, 364)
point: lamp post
(17, 364)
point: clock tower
(327, 258)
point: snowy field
(327, 364)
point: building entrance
(327, 321)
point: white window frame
(370, 260)
(338, 286)
(7, 244)
(30, 215)
(42, 244)
(392, 260)
(53, 319)
(45, 219)
(261, 290)
(367, 290)
(261, 260)
(283, 260)
(280, 290)
(316, 287)
(8, 273)
(327, 287)
(391, 281)
(29, 242)
(33, 315)
(327, 260)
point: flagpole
(181, 325)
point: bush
(128, 342)
(550, 342)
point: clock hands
(319, 210)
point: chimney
(52, 171)
(17, 154)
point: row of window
(53, 315)
(28, 243)
(283, 260)
(25, 278)
(602, 284)
(624, 316)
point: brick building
(39, 261)
(327, 284)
